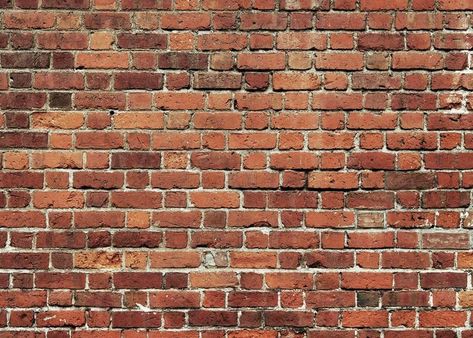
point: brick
(336, 101)
(175, 180)
(452, 5)
(252, 299)
(169, 259)
(22, 100)
(320, 259)
(186, 21)
(138, 80)
(71, 318)
(263, 21)
(216, 239)
(24, 261)
(29, 20)
(295, 81)
(442, 318)
(253, 260)
(215, 199)
(256, 101)
(132, 199)
(102, 60)
(141, 41)
(99, 140)
(291, 318)
(131, 319)
(367, 280)
(373, 5)
(375, 81)
(294, 160)
(253, 180)
(410, 181)
(221, 41)
(370, 240)
(406, 260)
(97, 260)
(371, 160)
(92, 219)
(442, 160)
(22, 298)
(369, 319)
(177, 219)
(380, 41)
(57, 120)
(216, 160)
(330, 219)
(440, 280)
(18, 219)
(137, 280)
(252, 218)
(182, 60)
(139, 120)
(98, 180)
(25, 60)
(329, 181)
(340, 21)
(301, 41)
(175, 299)
(339, 61)
(50, 280)
(261, 61)
(63, 41)
(217, 80)
(66, 4)
(99, 100)
(23, 179)
(296, 241)
(212, 318)
(213, 280)
(146, 4)
(58, 199)
(412, 141)
(417, 60)
(179, 101)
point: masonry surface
(236, 168)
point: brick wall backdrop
(236, 168)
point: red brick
(221, 41)
(246, 168)
(340, 21)
(261, 61)
(291, 318)
(212, 318)
(442, 318)
(130, 319)
(369, 319)
(417, 60)
(375, 5)
(138, 80)
(334, 180)
(141, 40)
(339, 61)
(301, 41)
(367, 280)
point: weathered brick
(244, 168)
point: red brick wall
(236, 168)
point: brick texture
(236, 168)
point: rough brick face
(236, 168)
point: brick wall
(236, 168)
